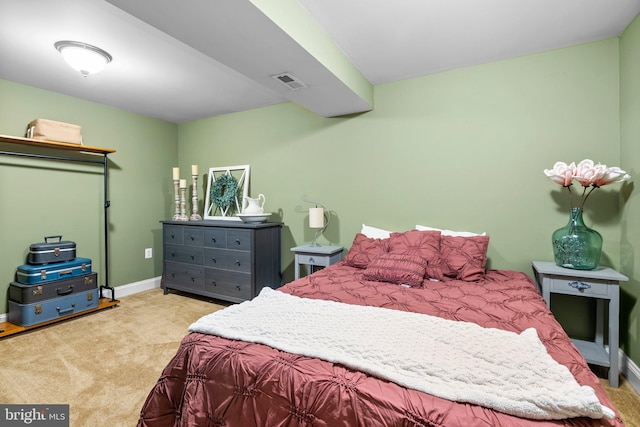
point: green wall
(43, 197)
(630, 161)
(463, 149)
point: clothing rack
(83, 149)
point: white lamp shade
(316, 217)
(82, 57)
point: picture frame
(241, 174)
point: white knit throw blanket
(458, 361)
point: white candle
(176, 173)
(316, 217)
(194, 169)
(183, 183)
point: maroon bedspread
(213, 381)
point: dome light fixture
(83, 57)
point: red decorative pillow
(464, 258)
(421, 243)
(364, 249)
(396, 268)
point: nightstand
(316, 256)
(602, 284)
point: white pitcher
(253, 206)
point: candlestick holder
(183, 205)
(194, 200)
(176, 199)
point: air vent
(290, 81)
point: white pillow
(449, 232)
(374, 232)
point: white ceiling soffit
(394, 40)
(241, 36)
(186, 60)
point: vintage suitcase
(51, 130)
(52, 251)
(54, 308)
(25, 294)
(34, 274)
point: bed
(220, 379)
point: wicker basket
(51, 130)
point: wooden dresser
(227, 260)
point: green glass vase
(575, 245)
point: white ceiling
(181, 61)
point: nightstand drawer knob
(579, 285)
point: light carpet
(104, 364)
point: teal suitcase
(34, 274)
(51, 309)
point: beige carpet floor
(104, 364)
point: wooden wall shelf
(52, 144)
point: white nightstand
(601, 283)
(316, 256)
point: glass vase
(575, 245)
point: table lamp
(317, 219)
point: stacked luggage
(53, 284)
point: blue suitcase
(51, 309)
(25, 294)
(33, 274)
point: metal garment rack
(81, 149)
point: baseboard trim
(629, 370)
(122, 291)
(134, 288)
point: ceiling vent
(290, 81)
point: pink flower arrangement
(588, 174)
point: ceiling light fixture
(83, 57)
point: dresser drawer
(183, 253)
(239, 239)
(172, 234)
(215, 238)
(228, 283)
(184, 276)
(192, 236)
(592, 288)
(227, 259)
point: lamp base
(315, 243)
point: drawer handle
(238, 241)
(579, 285)
(213, 260)
(238, 287)
(213, 282)
(192, 238)
(311, 260)
(193, 257)
(237, 262)
(213, 239)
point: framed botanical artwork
(227, 186)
